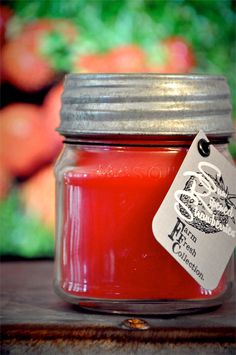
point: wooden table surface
(34, 320)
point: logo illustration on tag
(196, 221)
(205, 202)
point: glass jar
(125, 139)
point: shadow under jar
(126, 136)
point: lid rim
(145, 104)
(141, 75)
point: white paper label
(196, 222)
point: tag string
(204, 147)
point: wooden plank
(33, 317)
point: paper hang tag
(196, 222)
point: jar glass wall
(107, 256)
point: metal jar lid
(145, 104)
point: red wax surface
(108, 249)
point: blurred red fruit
(43, 26)
(92, 63)
(51, 112)
(178, 57)
(38, 196)
(24, 66)
(2, 77)
(23, 62)
(22, 139)
(5, 15)
(127, 59)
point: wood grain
(35, 320)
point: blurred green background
(43, 40)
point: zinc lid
(145, 104)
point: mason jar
(126, 136)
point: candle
(109, 189)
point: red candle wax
(108, 250)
